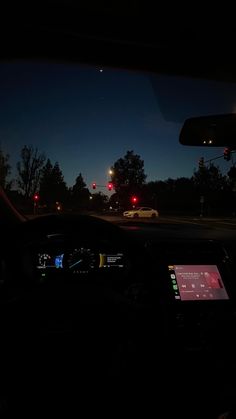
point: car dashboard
(114, 304)
(188, 284)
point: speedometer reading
(44, 260)
(81, 261)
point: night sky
(86, 118)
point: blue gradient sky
(86, 118)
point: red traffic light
(36, 197)
(94, 185)
(109, 186)
(227, 154)
(134, 199)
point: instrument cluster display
(79, 260)
(47, 261)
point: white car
(141, 212)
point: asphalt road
(221, 228)
(186, 227)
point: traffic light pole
(218, 157)
(35, 200)
(214, 158)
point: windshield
(100, 140)
(124, 257)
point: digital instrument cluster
(78, 261)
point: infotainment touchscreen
(197, 282)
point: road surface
(222, 228)
(174, 226)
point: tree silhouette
(52, 185)
(99, 201)
(128, 172)
(79, 193)
(209, 179)
(30, 170)
(128, 176)
(5, 170)
(210, 184)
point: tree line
(36, 173)
(207, 191)
(207, 188)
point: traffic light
(134, 199)
(94, 185)
(201, 163)
(227, 154)
(109, 186)
(36, 197)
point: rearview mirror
(210, 131)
